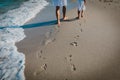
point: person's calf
(82, 13)
(64, 13)
(58, 15)
(78, 17)
(58, 12)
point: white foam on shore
(24, 13)
(11, 61)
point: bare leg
(64, 13)
(58, 15)
(78, 15)
(82, 13)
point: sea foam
(11, 61)
(21, 15)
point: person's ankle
(65, 18)
(81, 15)
(58, 23)
(78, 17)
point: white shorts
(81, 5)
(60, 2)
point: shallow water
(6, 5)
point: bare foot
(65, 18)
(78, 17)
(81, 15)
(58, 23)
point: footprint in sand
(73, 68)
(70, 55)
(66, 79)
(37, 72)
(43, 68)
(81, 30)
(74, 44)
(39, 55)
(69, 58)
(76, 37)
(41, 51)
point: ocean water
(6, 5)
(13, 16)
(15, 13)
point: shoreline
(86, 49)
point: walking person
(81, 8)
(58, 4)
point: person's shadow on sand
(34, 25)
(41, 24)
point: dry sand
(85, 49)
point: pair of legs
(80, 14)
(81, 8)
(58, 14)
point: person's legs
(82, 12)
(78, 14)
(58, 15)
(81, 8)
(64, 13)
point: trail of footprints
(69, 60)
(43, 67)
(39, 55)
(74, 44)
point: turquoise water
(6, 5)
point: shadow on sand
(41, 24)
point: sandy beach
(85, 49)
